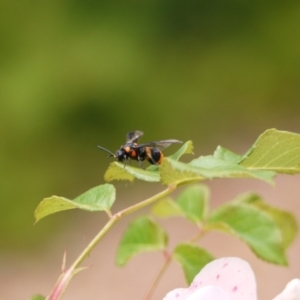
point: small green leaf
(38, 297)
(193, 202)
(207, 167)
(211, 167)
(96, 199)
(227, 155)
(142, 235)
(186, 148)
(166, 208)
(275, 150)
(192, 259)
(253, 226)
(178, 173)
(52, 205)
(285, 221)
(99, 198)
(117, 171)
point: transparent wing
(133, 136)
(159, 144)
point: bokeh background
(75, 74)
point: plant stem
(58, 289)
(198, 235)
(94, 242)
(159, 275)
(116, 217)
(146, 202)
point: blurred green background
(77, 74)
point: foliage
(267, 230)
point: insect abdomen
(155, 156)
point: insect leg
(140, 162)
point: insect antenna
(106, 150)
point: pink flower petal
(291, 291)
(232, 274)
(177, 294)
(210, 293)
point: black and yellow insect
(140, 152)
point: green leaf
(96, 199)
(178, 173)
(99, 198)
(186, 148)
(227, 155)
(192, 259)
(117, 171)
(253, 226)
(38, 297)
(275, 150)
(207, 167)
(166, 208)
(142, 235)
(285, 221)
(211, 167)
(52, 205)
(193, 202)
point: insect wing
(133, 136)
(159, 144)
